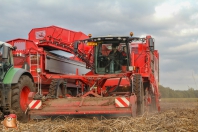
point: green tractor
(15, 84)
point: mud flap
(133, 101)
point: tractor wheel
(1, 113)
(139, 92)
(20, 93)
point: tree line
(167, 92)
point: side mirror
(5, 52)
(151, 44)
(76, 46)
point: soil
(183, 104)
(175, 116)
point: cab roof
(6, 44)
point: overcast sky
(173, 24)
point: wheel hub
(24, 98)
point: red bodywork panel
(34, 52)
(53, 36)
(146, 63)
(86, 105)
(58, 33)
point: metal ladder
(38, 70)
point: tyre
(153, 103)
(56, 88)
(1, 113)
(139, 92)
(19, 94)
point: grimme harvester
(120, 82)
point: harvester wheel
(54, 86)
(153, 103)
(139, 92)
(20, 93)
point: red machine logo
(40, 34)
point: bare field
(181, 103)
(177, 115)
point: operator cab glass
(111, 55)
(1, 51)
(5, 63)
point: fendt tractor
(121, 77)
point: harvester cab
(109, 57)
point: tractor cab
(6, 59)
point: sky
(172, 23)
